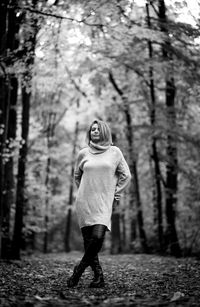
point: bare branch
(25, 8)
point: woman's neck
(98, 147)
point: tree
(9, 87)
(154, 152)
(171, 147)
(71, 192)
(49, 120)
(3, 11)
(28, 54)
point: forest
(134, 64)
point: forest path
(131, 280)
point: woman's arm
(124, 176)
(77, 170)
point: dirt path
(131, 280)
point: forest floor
(131, 280)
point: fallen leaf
(177, 296)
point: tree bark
(116, 234)
(46, 216)
(71, 193)
(9, 26)
(51, 119)
(3, 18)
(5, 104)
(20, 197)
(8, 186)
(171, 149)
(115, 223)
(157, 181)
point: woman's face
(95, 133)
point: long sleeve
(78, 170)
(124, 177)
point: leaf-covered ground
(131, 280)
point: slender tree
(171, 149)
(50, 127)
(3, 17)
(71, 192)
(157, 178)
(116, 246)
(116, 240)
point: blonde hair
(105, 133)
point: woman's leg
(94, 246)
(95, 243)
(89, 233)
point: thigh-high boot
(94, 246)
(98, 280)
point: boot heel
(98, 283)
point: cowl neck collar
(97, 148)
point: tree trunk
(20, 197)
(135, 193)
(71, 193)
(115, 223)
(2, 114)
(4, 208)
(46, 216)
(124, 237)
(51, 119)
(171, 150)
(8, 195)
(8, 87)
(115, 234)
(171, 173)
(157, 181)
(3, 18)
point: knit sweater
(100, 179)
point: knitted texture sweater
(100, 178)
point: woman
(101, 174)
